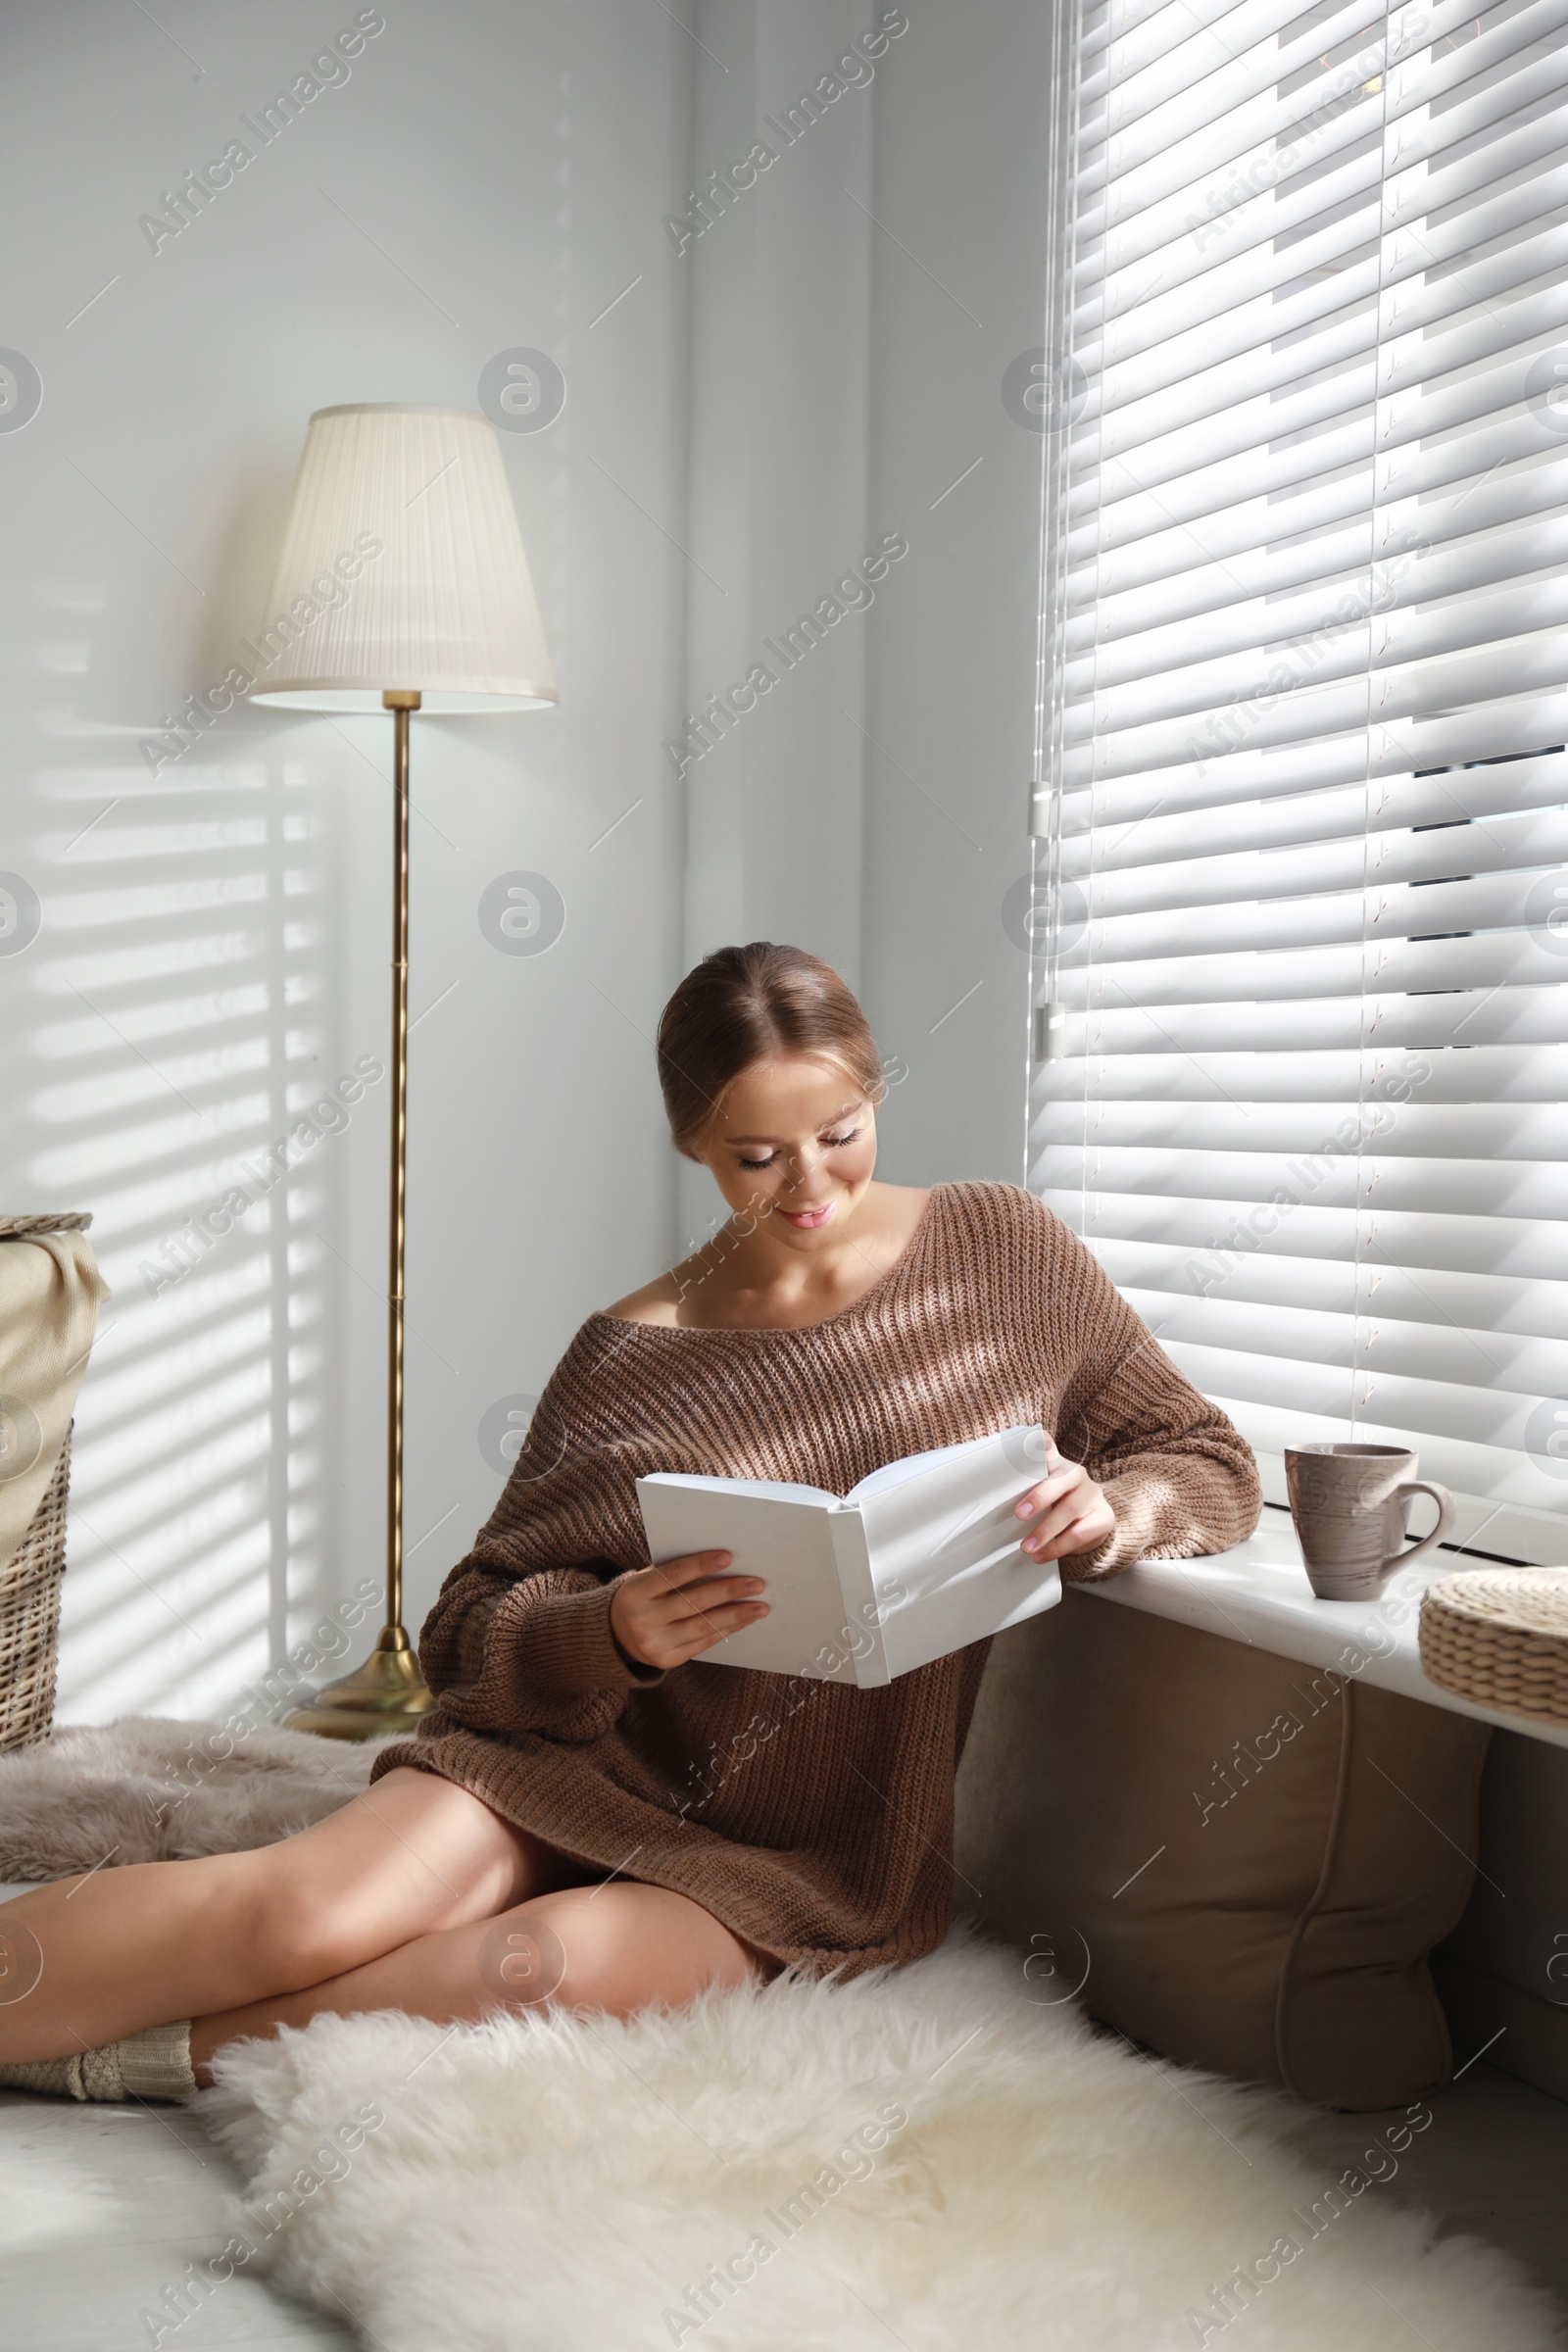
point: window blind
(1302, 905)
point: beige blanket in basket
(50, 1291)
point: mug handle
(1446, 1514)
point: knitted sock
(151, 2064)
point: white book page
(780, 1490)
(860, 1629)
(1026, 1449)
(944, 1548)
(780, 1533)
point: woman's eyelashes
(829, 1142)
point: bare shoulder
(656, 1303)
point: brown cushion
(1249, 1857)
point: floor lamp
(401, 586)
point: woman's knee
(612, 1948)
(311, 1908)
(454, 1858)
(558, 1947)
(298, 1930)
(411, 1856)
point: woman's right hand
(662, 1616)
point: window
(1301, 821)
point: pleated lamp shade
(402, 566)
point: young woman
(590, 1814)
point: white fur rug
(927, 2159)
(150, 1788)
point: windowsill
(1259, 1594)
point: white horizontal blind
(1304, 900)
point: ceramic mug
(1350, 1504)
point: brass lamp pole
(388, 1693)
(401, 586)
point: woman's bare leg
(614, 1947)
(86, 1960)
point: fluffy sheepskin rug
(923, 2158)
(149, 1789)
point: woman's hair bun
(742, 1005)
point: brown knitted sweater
(815, 1819)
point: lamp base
(387, 1694)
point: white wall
(742, 426)
(960, 192)
(215, 949)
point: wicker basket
(30, 1589)
(30, 1618)
(54, 1220)
(1498, 1637)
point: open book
(919, 1559)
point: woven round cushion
(1498, 1637)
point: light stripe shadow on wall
(174, 990)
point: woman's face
(793, 1142)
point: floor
(102, 2208)
(1492, 2163)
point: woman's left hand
(1070, 1512)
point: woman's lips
(809, 1220)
